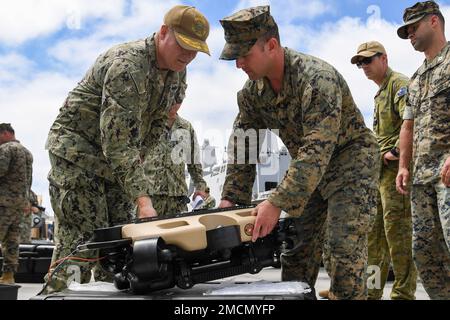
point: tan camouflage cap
(243, 29)
(190, 27)
(416, 13)
(367, 50)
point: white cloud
(22, 20)
(31, 107)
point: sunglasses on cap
(366, 61)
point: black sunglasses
(366, 61)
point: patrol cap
(190, 27)
(367, 50)
(416, 13)
(243, 28)
(6, 127)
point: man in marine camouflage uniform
(96, 143)
(334, 171)
(166, 161)
(425, 137)
(16, 169)
(391, 236)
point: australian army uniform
(391, 236)
(428, 106)
(96, 141)
(334, 170)
(15, 183)
(166, 162)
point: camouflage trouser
(391, 239)
(25, 228)
(167, 205)
(343, 220)
(431, 237)
(10, 237)
(81, 202)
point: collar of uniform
(269, 93)
(436, 61)
(385, 81)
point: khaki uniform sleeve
(120, 123)
(322, 117)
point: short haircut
(271, 33)
(6, 127)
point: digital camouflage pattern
(334, 156)
(16, 174)
(428, 100)
(390, 239)
(243, 28)
(10, 237)
(169, 205)
(103, 124)
(98, 141)
(16, 170)
(167, 157)
(82, 202)
(431, 234)
(26, 220)
(429, 108)
(209, 202)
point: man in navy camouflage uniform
(98, 140)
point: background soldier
(209, 202)
(334, 171)
(27, 218)
(167, 165)
(391, 237)
(426, 134)
(16, 170)
(96, 142)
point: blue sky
(46, 47)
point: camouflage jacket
(428, 105)
(320, 125)
(390, 102)
(104, 121)
(209, 202)
(16, 169)
(166, 160)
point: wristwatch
(395, 152)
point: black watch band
(395, 152)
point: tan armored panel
(189, 233)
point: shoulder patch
(402, 91)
